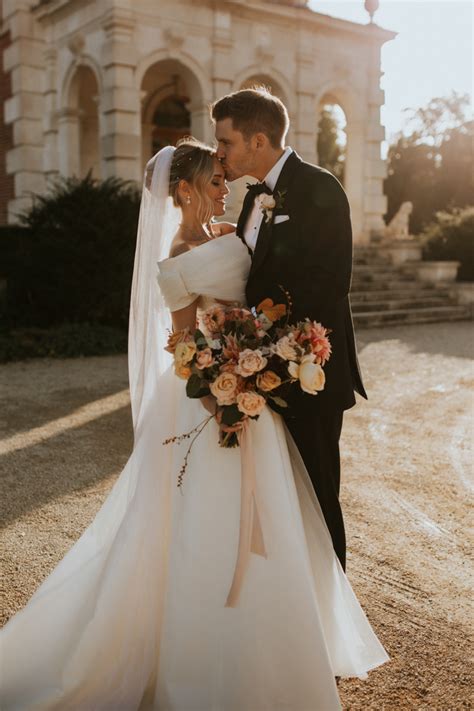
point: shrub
(65, 341)
(73, 260)
(451, 237)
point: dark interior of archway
(171, 121)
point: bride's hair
(193, 161)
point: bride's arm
(186, 318)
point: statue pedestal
(402, 251)
(438, 272)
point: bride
(135, 617)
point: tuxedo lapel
(244, 213)
(280, 193)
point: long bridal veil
(89, 636)
(149, 317)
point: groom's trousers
(317, 438)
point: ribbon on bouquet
(250, 533)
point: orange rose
(268, 381)
(182, 371)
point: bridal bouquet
(245, 358)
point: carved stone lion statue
(398, 227)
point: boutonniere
(268, 203)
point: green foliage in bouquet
(451, 237)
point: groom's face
(236, 155)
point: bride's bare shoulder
(178, 247)
(223, 228)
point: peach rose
(250, 362)
(224, 388)
(250, 403)
(185, 352)
(285, 348)
(268, 381)
(309, 373)
(204, 359)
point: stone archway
(172, 106)
(352, 108)
(331, 140)
(265, 80)
(247, 81)
(78, 125)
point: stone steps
(386, 295)
(410, 292)
(393, 282)
(398, 317)
(388, 303)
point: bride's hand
(210, 404)
(228, 428)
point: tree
(331, 153)
(432, 164)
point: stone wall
(89, 79)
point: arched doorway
(266, 81)
(170, 122)
(331, 147)
(238, 187)
(171, 106)
(80, 125)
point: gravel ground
(66, 434)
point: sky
(431, 56)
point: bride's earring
(188, 200)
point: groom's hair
(252, 111)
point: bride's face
(217, 189)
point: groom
(306, 247)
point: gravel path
(66, 434)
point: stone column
(222, 84)
(120, 105)
(375, 202)
(50, 127)
(222, 41)
(25, 109)
(68, 130)
(201, 126)
(306, 124)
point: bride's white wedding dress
(134, 616)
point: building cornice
(299, 16)
(302, 17)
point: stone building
(102, 84)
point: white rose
(285, 348)
(266, 202)
(309, 373)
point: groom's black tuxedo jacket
(310, 255)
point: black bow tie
(258, 188)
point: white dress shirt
(254, 221)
